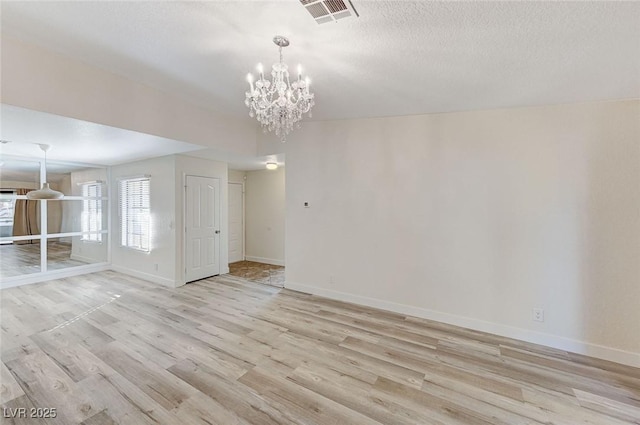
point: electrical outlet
(538, 315)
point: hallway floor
(267, 274)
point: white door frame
(183, 272)
(244, 221)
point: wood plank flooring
(107, 348)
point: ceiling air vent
(329, 10)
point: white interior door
(236, 223)
(202, 227)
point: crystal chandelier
(279, 104)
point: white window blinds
(134, 213)
(91, 216)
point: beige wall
(265, 216)
(55, 214)
(236, 176)
(42, 80)
(11, 184)
(475, 218)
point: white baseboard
(549, 340)
(265, 260)
(28, 279)
(81, 258)
(145, 276)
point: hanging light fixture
(279, 104)
(45, 192)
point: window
(135, 213)
(7, 208)
(91, 217)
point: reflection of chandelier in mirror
(45, 192)
(279, 104)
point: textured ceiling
(398, 58)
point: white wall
(164, 263)
(475, 218)
(265, 216)
(38, 79)
(160, 263)
(188, 165)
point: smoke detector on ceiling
(329, 10)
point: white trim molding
(81, 258)
(28, 279)
(146, 276)
(264, 260)
(549, 340)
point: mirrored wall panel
(74, 227)
(19, 258)
(75, 251)
(89, 215)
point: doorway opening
(257, 225)
(267, 274)
(236, 222)
(7, 209)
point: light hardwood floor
(107, 348)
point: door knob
(217, 232)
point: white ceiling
(76, 144)
(398, 58)
(78, 141)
